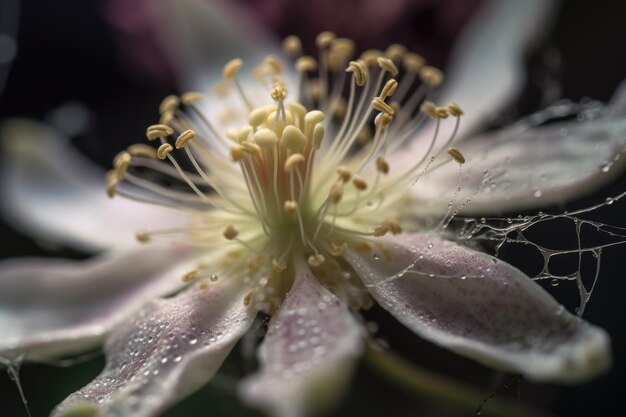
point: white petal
(308, 352)
(51, 192)
(532, 167)
(54, 306)
(480, 307)
(168, 350)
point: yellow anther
(203, 285)
(189, 276)
(442, 112)
(335, 195)
(338, 250)
(274, 63)
(387, 65)
(293, 139)
(344, 173)
(256, 117)
(324, 39)
(370, 57)
(166, 118)
(247, 298)
(431, 76)
(395, 51)
(185, 137)
(292, 46)
(293, 161)
(158, 131)
(456, 155)
(394, 225)
(381, 230)
(306, 63)
(380, 105)
(121, 162)
(343, 45)
(318, 136)
(168, 104)
(231, 68)
(142, 236)
(266, 138)
(413, 62)
(358, 69)
(383, 119)
(455, 109)
(359, 183)
(297, 109)
(111, 181)
(279, 92)
(429, 108)
(389, 89)
(382, 165)
(314, 117)
(251, 148)
(290, 206)
(142, 150)
(316, 260)
(191, 97)
(237, 153)
(230, 232)
(164, 150)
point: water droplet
(537, 193)
(213, 277)
(376, 256)
(483, 220)
(509, 220)
(554, 282)
(605, 167)
(178, 358)
(609, 200)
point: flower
(304, 246)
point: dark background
(69, 55)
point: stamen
(387, 65)
(164, 150)
(293, 161)
(292, 46)
(168, 104)
(456, 155)
(185, 137)
(230, 232)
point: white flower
(290, 214)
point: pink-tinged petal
(50, 191)
(308, 352)
(530, 167)
(168, 350)
(53, 306)
(480, 307)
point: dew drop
(213, 277)
(537, 193)
(554, 282)
(609, 200)
(483, 220)
(376, 256)
(178, 359)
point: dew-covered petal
(308, 352)
(168, 350)
(51, 192)
(54, 306)
(480, 307)
(532, 166)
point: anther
(371, 56)
(265, 138)
(279, 92)
(293, 139)
(292, 161)
(292, 46)
(388, 65)
(185, 137)
(111, 180)
(248, 297)
(314, 117)
(382, 165)
(335, 195)
(324, 39)
(168, 104)
(359, 71)
(359, 183)
(297, 109)
(318, 136)
(164, 150)
(394, 226)
(456, 155)
(429, 108)
(380, 105)
(395, 51)
(191, 98)
(455, 109)
(189, 276)
(256, 117)
(251, 148)
(389, 89)
(413, 62)
(231, 68)
(442, 112)
(431, 76)
(158, 131)
(142, 236)
(237, 153)
(344, 173)
(142, 150)
(306, 63)
(290, 206)
(274, 63)
(316, 260)
(121, 162)
(381, 230)
(166, 118)
(338, 250)
(278, 266)
(230, 232)
(383, 119)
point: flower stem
(436, 387)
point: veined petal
(53, 306)
(52, 192)
(480, 307)
(536, 166)
(169, 349)
(308, 352)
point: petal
(481, 307)
(308, 352)
(168, 350)
(51, 192)
(532, 166)
(52, 306)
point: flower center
(281, 178)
